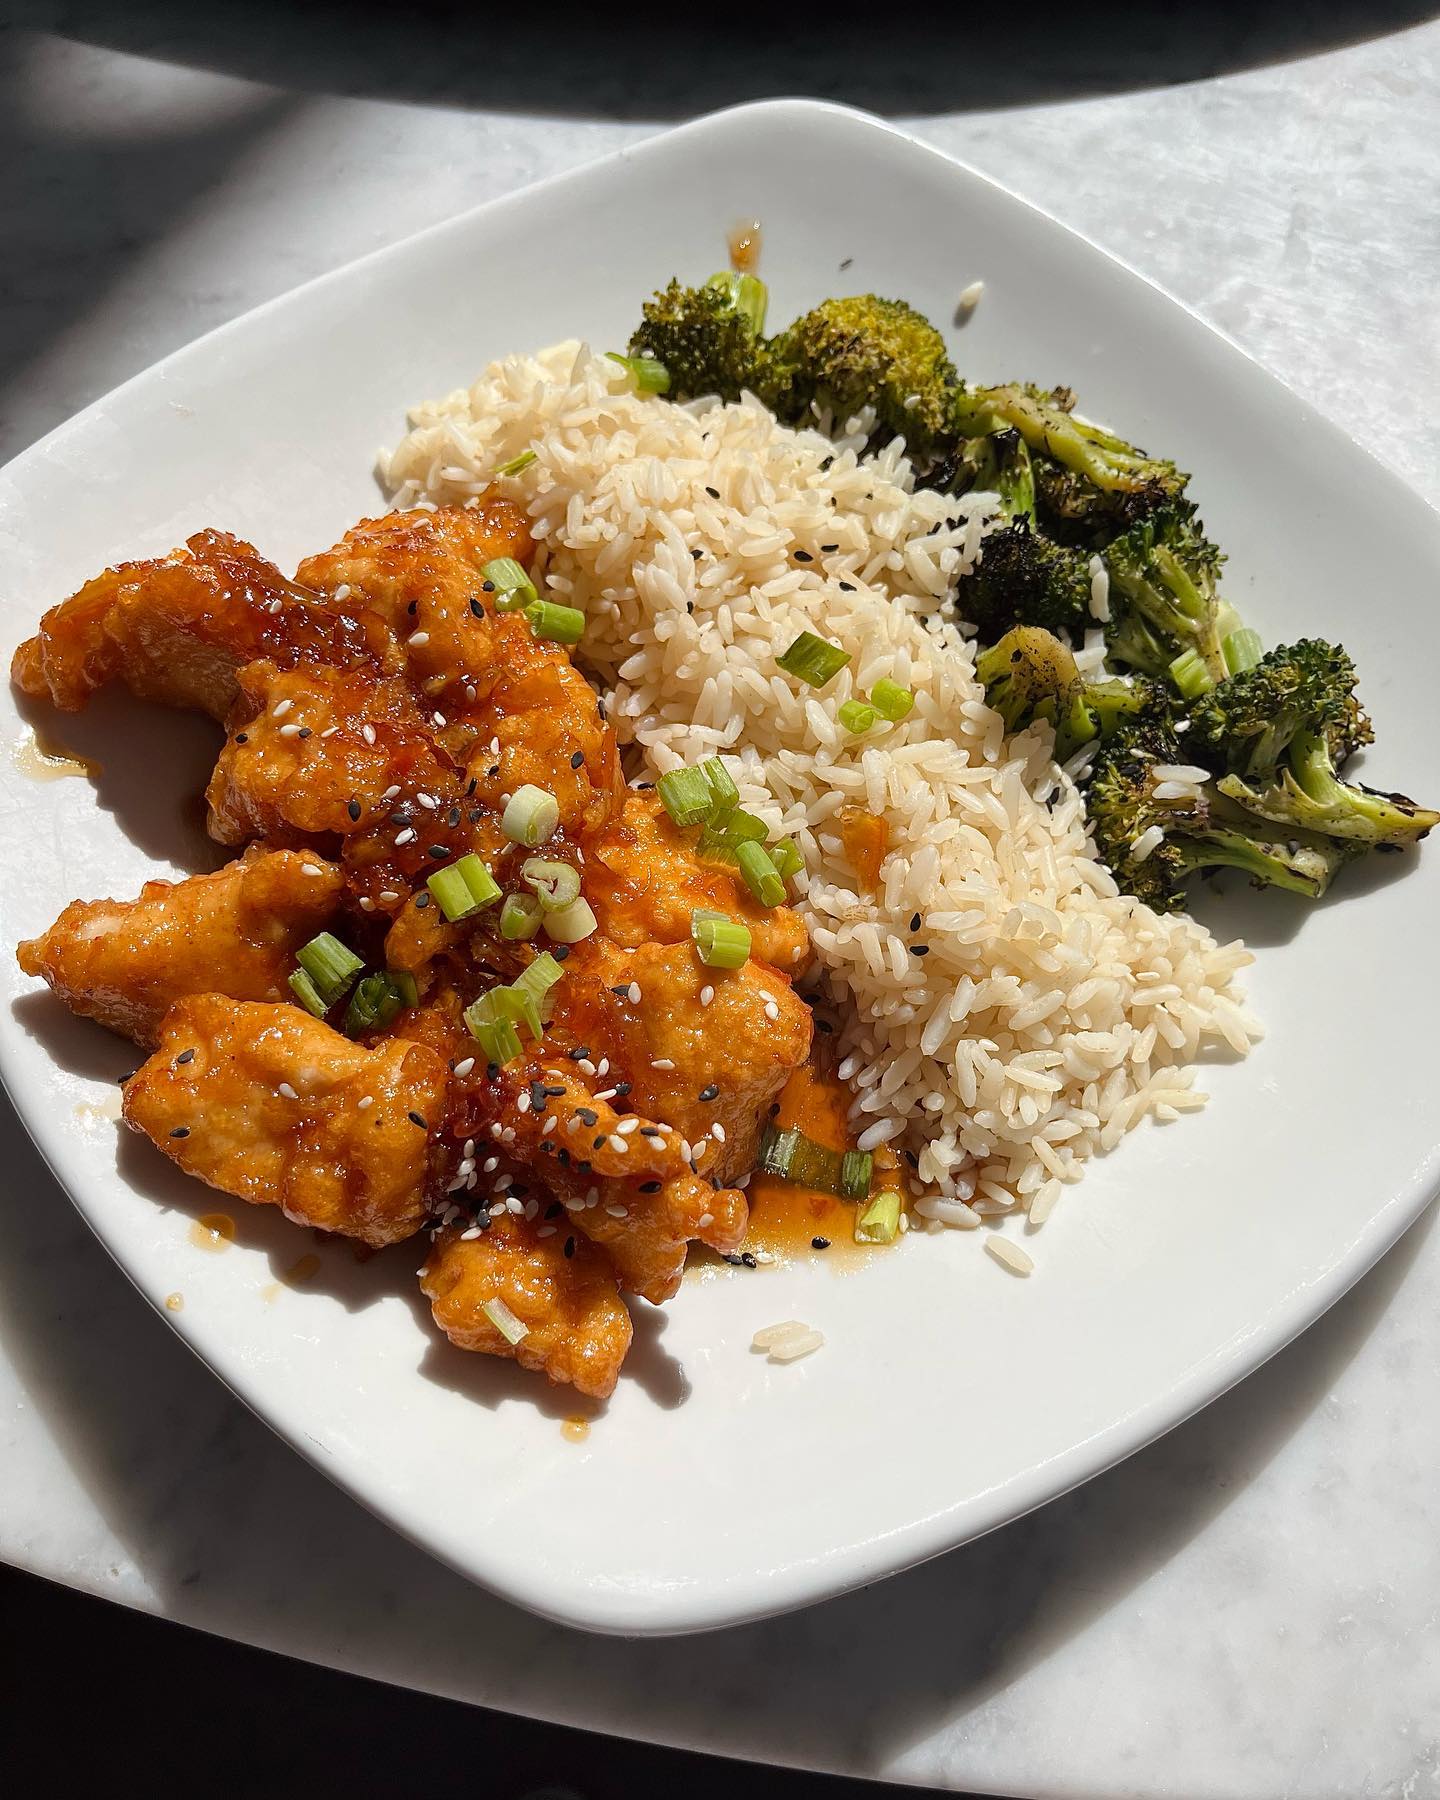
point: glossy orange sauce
(42, 762)
(866, 839)
(174, 1302)
(743, 242)
(576, 1430)
(784, 1217)
(215, 1231)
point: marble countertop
(1248, 1608)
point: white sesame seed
(522, 1103)
(545, 1231)
(439, 718)
(419, 639)
(497, 1129)
(312, 868)
(469, 1147)
(604, 1094)
(428, 801)
(368, 733)
(618, 1144)
(391, 792)
(532, 1208)
(289, 731)
(407, 836)
(662, 1062)
(603, 1065)
(707, 994)
(498, 1211)
(329, 731)
(457, 1183)
(490, 1164)
(364, 1101)
(685, 1150)
(389, 894)
(517, 1207)
(281, 710)
(772, 1011)
(366, 903)
(464, 1066)
(507, 1134)
(342, 592)
(717, 1131)
(288, 1091)
(549, 1126)
(471, 1231)
(585, 1066)
(618, 1212)
(627, 1126)
(705, 1221)
(634, 993)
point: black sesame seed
(912, 1159)
(477, 609)
(827, 461)
(439, 851)
(710, 1092)
(643, 787)
(819, 1243)
(580, 1052)
(492, 1070)
(583, 1165)
(416, 1118)
(547, 1146)
(919, 949)
(554, 1092)
(733, 1260)
(454, 815)
(492, 771)
(689, 606)
(826, 549)
(622, 992)
(802, 556)
(748, 1260)
(180, 1131)
(472, 784)
(537, 1095)
(824, 1025)
(914, 921)
(560, 951)
(622, 1088)
(303, 732)
(554, 1210)
(651, 1131)
(353, 808)
(421, 902)
(185, 1056)
(569, 1246)
(563, 1154)
(577, 760)
(411, 609)
(695, 555)
(650, 1187)
(598, 1144)
(586, 1116)
(714, 493)
(241, 737)
(847, 587)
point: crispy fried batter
(179, 629)
(344, 1149)
(126, 962)
(577, 1327)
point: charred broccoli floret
(1073, 510)
(1282, 729)
(865, 351)
(1166, 617)
(1031, 675)
(711, 339)
(1047, 422)
(1155, 831)
(1022, 578)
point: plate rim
(601, 1608)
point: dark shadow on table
(668, 62)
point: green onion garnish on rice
(647, 372)
(730, 826)
(520, 916)
(330, 966)
(787, 859)
(759, 873)
(463, 888)
(378, 1000)
(516, 463)
(555, 623)
(890, 700)
(556, 884)
(722, 785)
(306, 992)
(879, 1223)
(513, 587)
(856, 716)
(811, 659)
(686, 795)
(722, 943)
(530, 817)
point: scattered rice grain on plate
(1032, 1011)
(1011, 1256)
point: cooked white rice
(1048, 1014)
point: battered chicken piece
(505, 703)
(271, 1105)
(126, 962)
(577, 1328)
(179, 629)
(644, 878)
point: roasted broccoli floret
(1282, 729)
(711, 339)
(1022, 578)
(1048, 425)
(865, 351)
(1155, 831)
(1073, 510)
(1166, 617)
(1031, 675)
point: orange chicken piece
(126, 962)
(271, 1105)
(576, 1327)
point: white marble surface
(1247, 1609)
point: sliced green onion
(517, 463)
(722, 785)
(571, 923)
(747, 294)
(647, 372)
(463, 888)
(306, 992)
(856, 1167)
(1190, 675)
(788, 1152)
(890, 700)
(880, 1221)
(730, 826)
(759, 873)
(530, 817)
(857, 716)
(1243, 649)
(329, 965)
(722, 943)
(505, 1321)
(555, 623)
(556, 884)
(535, 982)
(378, 1000)
(811, 659)
(787, 859)
(685, 794)
(489, 1022)
(513, 587)
(520, 916)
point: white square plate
(949, 1397)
